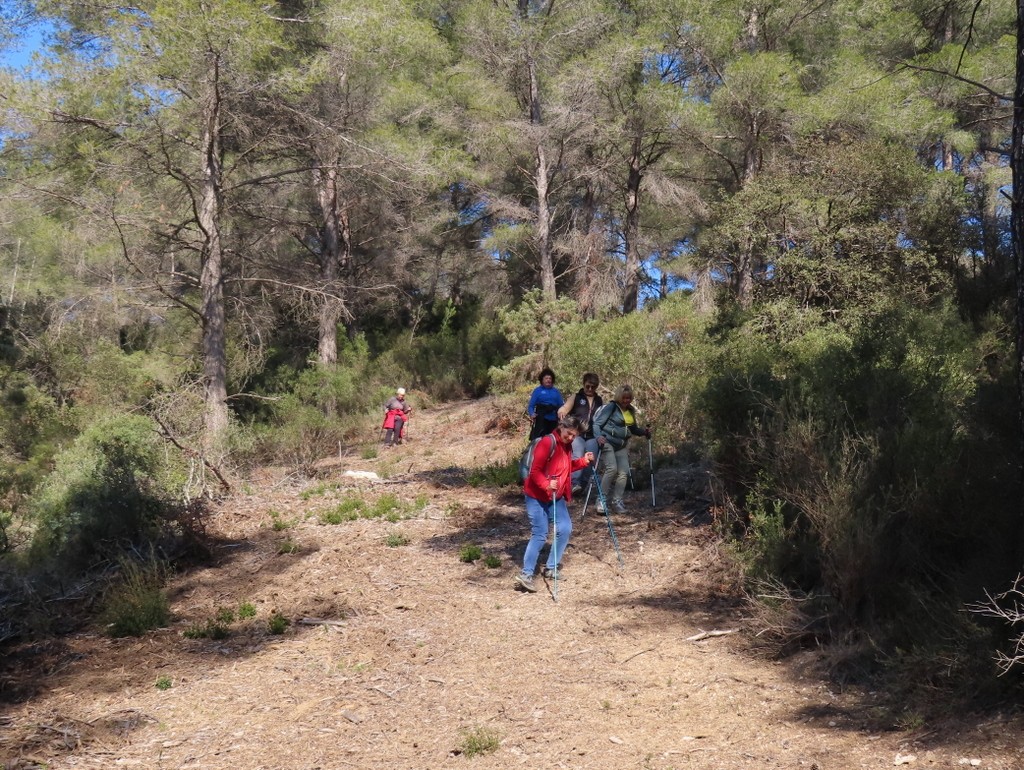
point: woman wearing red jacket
(548, 485)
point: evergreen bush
(111, 488)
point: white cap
(400, 391)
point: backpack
(526, 461)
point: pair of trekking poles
(604, 507)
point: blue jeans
(581, 446)
(539, 515)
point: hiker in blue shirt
(544, 403)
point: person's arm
(531, 407)
(542, 455)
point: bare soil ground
(403, 656)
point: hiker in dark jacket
(613, 425)
(544, 403)
(548, 483)
(583, 406)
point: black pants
(542, 426)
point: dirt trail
(400, 656)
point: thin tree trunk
(541, 180)
(211, 279)
(631, 232)
(1017, 216)
(335, 258)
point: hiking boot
(600, 508)
(525, 582)
(618, 506)
(549, 574)
(576, 489)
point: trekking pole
(650, 459)
(554, 539)
(608, 519)
(590, 481)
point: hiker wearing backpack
(613, 425)
(396, 414)
(544, 403)
(583, 406)
(547, 485)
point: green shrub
(164, 683)
(111, 488)
(246, 610)
(847, 450)
(491, 561)
(136, 603)
(278, 624)
(480, 740)
(395, 540)
(469, 553)
(211, 629)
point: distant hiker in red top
(396, 415)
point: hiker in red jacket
(548, 486)
(396, 415)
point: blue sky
(19, 53)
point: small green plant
(396, 540)
(225, 615)
(163, 683)
(368, 453)
(480, 740)
(288, 546)
(211, 629)
(385, 506)
(278, 624)
(137, 603)
(422, 501)
(247, 610)
(491, 561)
(318, 491)
(469, 553)
(910, 720)
(277, 523)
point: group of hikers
(584, 432)
(581, 430)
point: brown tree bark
(211, 281)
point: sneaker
(600, 508)
(618, 506)
(525, 582)
(576, 489)
(548, 574)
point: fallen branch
(708, 634)
(320, 622)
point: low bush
(136, 602)
(115, 486)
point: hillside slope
(399, 655)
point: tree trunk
(335, 258)
(1017, 216)
(541, 177)
(1017, 232)
(631, 232)
(211, 279)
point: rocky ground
(399, 654)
